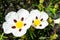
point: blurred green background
(51, 7)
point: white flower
(39, 19)
(57, 21)
(17, 23)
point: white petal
(34, 13)
(23, 13)
(44, 16)
(18, 33)
(11, 16)
(44, 24)
(28, 23)
(57, 21)
(7, 27)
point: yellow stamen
(37, 22)
(19, 24)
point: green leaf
(1, 37)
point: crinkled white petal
(34, 13)
(11, 16)
(28, 23)
(44, 24)
(22, 13)
(18, 33)
(57, 21)
(7, 27)
(44, 15)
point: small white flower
(39, 19)
(17, 23)
(57, 21)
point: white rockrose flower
(39, 19)
(17, 23)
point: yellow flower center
(19, 24)
(37, 22)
